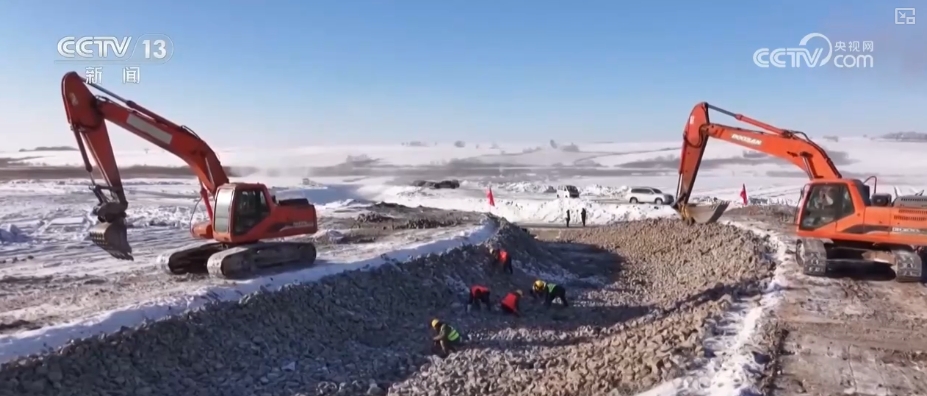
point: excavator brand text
(747, 140)
(907, 230)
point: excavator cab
(239, 208)
(824, 203)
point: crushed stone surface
(642, 294)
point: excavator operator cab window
(250, 209)
(824, 204)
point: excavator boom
(87, 115)
(792, 146)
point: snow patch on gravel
(52, 337)
(733, 371)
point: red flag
(492, 202)
(743, 194)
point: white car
(649, 195)
(567, 192)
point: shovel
(113, 238)
(702, 214)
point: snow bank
(527, 187)
(516, 187)
(596, 190)
(599, 190)
(554, 211)
(532, 210)
(36, 341)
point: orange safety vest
(477, 290)
(503, 256)
(510, 301)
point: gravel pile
(640, 308)
(426, 223)
(372, 217)
(783, 214)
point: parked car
(648, 195)
(567, 191)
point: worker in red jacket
(509, 303)
(478, 294)
(502, 259)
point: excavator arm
(792, 146)
(87, 114)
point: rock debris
(644, 295)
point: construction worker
(568, 218)
(550, 292)
(447, 338)
(502, 257)
(509, 303)
(478, 294)
(582, 216)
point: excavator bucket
(113, 238)
(702, 214)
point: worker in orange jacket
(510, 302)
(503, 259)
(478, 294)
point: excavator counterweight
(241, 215)
(839, 221)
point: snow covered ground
(43, 223)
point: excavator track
(238, 262)
(816, 259)
(908, 266)
(260, 257)
(811, 256)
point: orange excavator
(838, 221)
(241, 215)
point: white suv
(567, 192)
(649, 194)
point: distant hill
(49, 148)
(905, 136)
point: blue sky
(278, 73)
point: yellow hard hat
(435, 323)
(538, 284)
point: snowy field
(43, 223)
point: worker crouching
(509, 303)
(550, 292)
(447, 339)
(502, 259)
(478, 294)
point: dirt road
(857, 333)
